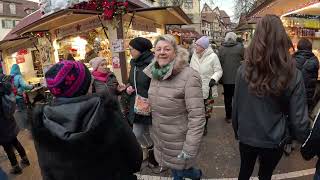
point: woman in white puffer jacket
(207, 63)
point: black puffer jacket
(143, 83)
(8, 126)
(308, 63)
(85, 138)
(262, 121)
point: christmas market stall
(83, 29)
(304, 23)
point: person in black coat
(308, 63)
(79, 136)
(311, 147)
(8, 126)
(230, 56)
(141, 58)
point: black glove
(212, 82)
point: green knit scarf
(159, 72)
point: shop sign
(117, 46)
(116, 62)
(143, 26)
(78, 27)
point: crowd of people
(82, 132)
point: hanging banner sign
(78, 28)
(143, 26)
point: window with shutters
(188, 4)
(1, 7)
(13, 9)
(8, 24)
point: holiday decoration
(38, 34)
(111, 8)
(92, 36)
(22, 52)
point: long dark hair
(269, 65)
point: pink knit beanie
(95, 62)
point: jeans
(3, 175)
(228, 96)
(9, 149)
(269, 158)
(316, 176)
(142, 133)
(191, 173)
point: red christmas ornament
(108, 14)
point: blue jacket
(18, 81)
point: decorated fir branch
(110, 8)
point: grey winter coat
(230, 55)
(262, 121)
(84, 138)
(178, 115)
(109, 87)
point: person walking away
(187, 44)
(308, 63)
(230, 56)
(311, 147)
(79, 136)
(207, 63)
(178, 112)
(140, 50)
(20, 85)
(104, 80)
(273, 92)
(8, 126)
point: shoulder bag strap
(134, 79)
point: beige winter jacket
(178, 115)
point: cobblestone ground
(219, 156)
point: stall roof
(57, 19)
(172, 15)
(6, 44)
(310, 10)
(279, 7)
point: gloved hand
(184, 155)
(212, 82)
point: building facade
(191, 8)
(12, 11)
